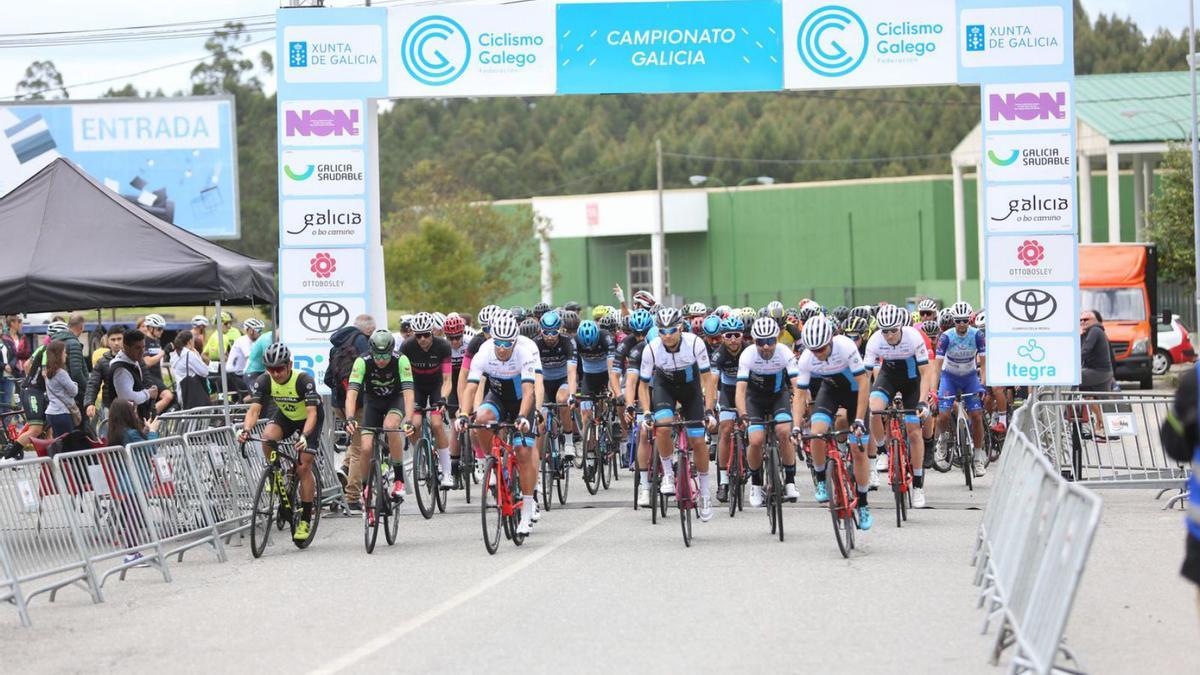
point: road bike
(735, 469)
(772, 476)
(687, 490)
(599, 443)
(466, 463)
(556, 473)
(900, 469)
(500, 489)
(843, 495)
(277, 498)
(427, 479)
(379, 508)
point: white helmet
(668, 317)
(891, 316)
(487, 314)
(55, 327)
(439, 320)
(764, 328)
(981, 319)
(422, 323)
(961, 310)
(200, 320)
(155, 321)
(927, 305)
(818, 332)
(253, 324)
(644, 299)
(504, 325)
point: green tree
(420, 276)
(1171, 225)
(229, 70)
(41, 81)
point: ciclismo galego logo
(834, 41)
(438, 50)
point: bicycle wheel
(440, 494)
(614, 464)
(424, 485)
(685, 499)
(655, 497)
(263, 514)
(778, 501)
(896, 476)
(994, 443)
(602, 454)
(838, 504)
(562, 479)
(371, 509)
(591, 459)
(546, 469)
(390, 511)
(850, 515)
(489, 506)
(966, 452)
(514, 491)
(771, 487)
(734, 476)
(637, 485)
(316, 512)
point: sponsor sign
(662, 47)
(501, 50)
(174, 157)
(1120, 424)
(1031, 309)
(868, 43)
(314, 271)
(312, 359)
(1011, 158)
(1027, 107)
(1030, 259)
(1014, 36)
(1032, 360)
(324, 222)
(1026, 208)
(313, 319)
(321, 123)
(329, 54)
(321, 172)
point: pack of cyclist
(679, 377)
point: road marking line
(381, 642)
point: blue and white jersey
(677, 367)
(844, 360)
(505, 376)
(902, 358)
(959, 352)
(766, 376)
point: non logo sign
(1031, 305)
(324, 316)
(1028, 106)
(321, 122)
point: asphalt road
(597, 588)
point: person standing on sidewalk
(1181, 439)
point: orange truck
(1121, 282)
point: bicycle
(554, 471)
(843, 495)
(772, 476)
(900, 469)
(735, 469)
(686, 488)
(466, 463)
(279, 482)
(426, 471)
(377, 505)
(597, 443)
(500, 490)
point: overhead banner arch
(335, 63)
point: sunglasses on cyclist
(959, 322)
(423, 335)
(550, 333)
(890, 331)
(668, 331)
(733, 336)
(276, 369)
(505, 344)
(928, 313)
(768, 342)
(454, 337)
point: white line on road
(379, 643)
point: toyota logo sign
(324, 316)
(1031, 305)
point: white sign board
(316, 271)
(624, 213)
(1046, 360)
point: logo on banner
(323, 265)
(322, 172)
(436, 50)
(833, 41)
(1013, 158)
(1013, 36)
(1030, 367)
(321, 122)
(343, 219)
(324, 316)
(328, 54)
(1007, 160)
(1035, 208)
(301, 175)
(298, 54)
(1031, 253)
(1028, 106)
(1031, 305)
(976, 42)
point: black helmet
(529, 327)
(840, 313)
(540, 309)
(519, 313)
(608, 322)
(572, 306)
(570, 320)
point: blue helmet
(551, 320)
(588, 334)
(712, 325)
(733, 324)
(641, 321)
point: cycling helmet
(695, 325)
(200, 320)
(775, 310)
(930, 327)
(862, 311)
(519, 313)
(927, 305)
(809, 310)
(764, 328)
(945, 320)
(422, 323)
(529, 327)
(382, 342)
(573, 306)
(961, 310)
(699, 308)
(981, 319)
(439, 321)
(748, 315)
(406, 322)
(486, 314)
(733, 325)
(609, 322)
(504, 326)
(625, 323)
(891, 317)
(588, 334)
(723, 311)
(279, 355)
(570, 321)
(253, 324)
(641, 321)
(840, 313)
(469, 333)
(644, 299)
(55, 327)
(599, 312)
(762, 312)
(711, 325)
(155, 321)
(667, 317)
(854, 326)
(817, 333)
(551, 320)
(454, 326)
(540, 309)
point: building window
(641, 272)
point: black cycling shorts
(550, 390)
(593, 384)
(291, 426)
(427, 397)
(836, 393)
(727, 397)
(1191, 561)
(888, 384)
(691, 407)
(33, 400)
(375, 411)
(777, 408)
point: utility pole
(657, 240)
(1195, 150)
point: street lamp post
(1195, 151)
(698, 181)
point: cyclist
(152, 361)
(764, 392)
(558, 374)
(510, 369)
(724, 363)
(710, 328)
(455, 331)
(855, 328)
(834, 361)
(674, 365)
(430, 358)
(297, 410)
(789, 332)
(961, 356)
(385, 383)
(903, 368)
(594, 349)
(640, 323)
(927, 310)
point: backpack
(341, 361)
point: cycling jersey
(429, 367)
(766, 376)
(959, 352)
(292, 398)
(726, 363)
(837, 377)
(621, 356)
(901, 359)
(34, 379)
(598, 357)
(505, 377)
(384, 383)
(677, 368)
(556, 358)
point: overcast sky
(88, 63)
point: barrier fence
(1032, 546)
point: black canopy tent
(72, 243)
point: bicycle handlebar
(828, 435)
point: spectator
(152, 360)
(349, 343)
(239, 355)
(1181, 440)
(199, 329)
(10, 364)
(254, 362)
(25, 343)
(190, 374)
(61, 391)
(231, 335)
(125, 426)
(1096, 353)
(125, 378)
(95, 385)
(76, 362)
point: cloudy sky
(122, 62)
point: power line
(847, 160)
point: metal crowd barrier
(176, 498)
(180, 422)
(1033, 543)
(226, 478)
